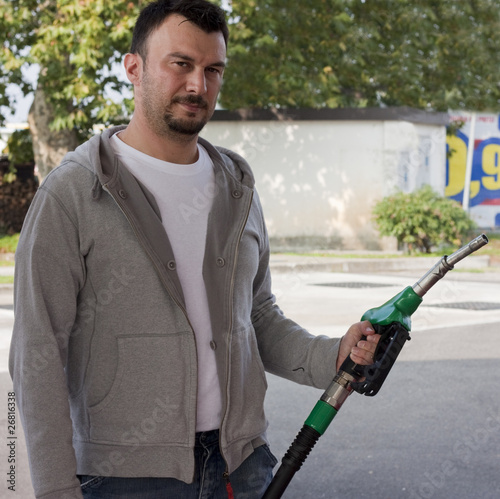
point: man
(143, 328)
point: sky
(20, 114)
(22, 107)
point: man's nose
(197, 82)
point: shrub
(422, 219)
(19, 153)
(20, 148)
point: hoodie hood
(97, 156)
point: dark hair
(204, 14)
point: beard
(186, 126)
(161, 117)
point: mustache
(195, 100)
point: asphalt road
(433, 431)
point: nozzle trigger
(393, 338)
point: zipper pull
(230, 493)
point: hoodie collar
(107, 166)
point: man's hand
(361, 351)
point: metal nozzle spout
(466, 250)
(447, 263)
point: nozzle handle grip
(393, 338)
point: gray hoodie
(103, 356)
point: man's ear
(133, 67)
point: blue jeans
(249, 481)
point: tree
(285, 54)
(427, 54)
(75, 44)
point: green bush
(20, 148)
(422, 219)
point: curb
(280, 263)
(293, 263)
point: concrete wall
(319, 174)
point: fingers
(360, 350)
(363, 351)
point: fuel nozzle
(447, 263)
(392, 321)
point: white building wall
(319, 180)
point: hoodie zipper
(158, 271)
(240, 234)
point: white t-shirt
(184, 196)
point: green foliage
(8, 243)
(19, 148)
(75, 44)
(281, 53)
(422, 219)
(426, 54)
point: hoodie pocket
(152, 395)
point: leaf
(426, 54)
(73, 42)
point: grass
(492, 249)
(344, 255)
(8, 245)
(6, 279)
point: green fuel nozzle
(392, 321)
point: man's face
(181, 78)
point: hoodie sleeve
(287, 349)
(48, 275)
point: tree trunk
(49, 147)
